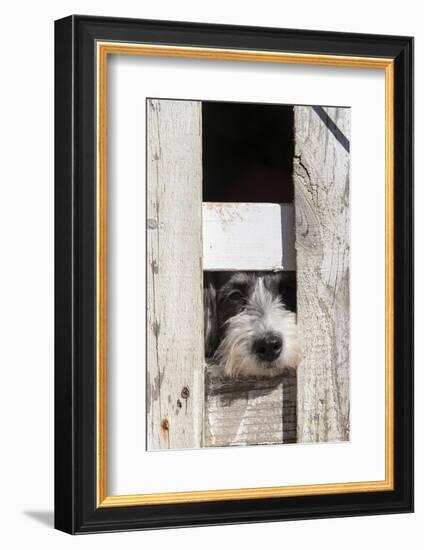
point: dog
(250, 322)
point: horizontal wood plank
(248, 236)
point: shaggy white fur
(262, 313)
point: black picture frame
(76, 509)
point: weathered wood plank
(248, 236)
(249, 411)
(321, 179)
(175, 349)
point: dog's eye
(236, 296)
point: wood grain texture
(249, 412)
(321, 178)
(175, 349)
(248, 236)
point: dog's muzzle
(268, 347)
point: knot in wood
(185, 393)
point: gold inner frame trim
(103, 50)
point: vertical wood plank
(321, 178)
(175, 351)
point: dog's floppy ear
(210, 315)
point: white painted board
(248, 236)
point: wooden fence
(190, 405)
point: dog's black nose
(268, 347)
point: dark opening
(247, 152)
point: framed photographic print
(233, 272)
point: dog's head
(250, 322)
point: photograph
(248, 236)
